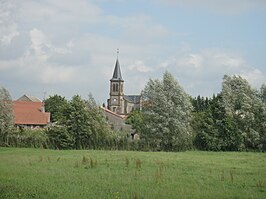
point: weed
(58, 159)
(40, 158)
(135, 196)
(76, 165)
(117, 195)
(107, 163)
(93, 163)
(49, 159)
(231, 176)
(138, 164)
(85, 160)
(259, 184)
(222, 176)
(30, 163)
(127, 162)
(159, 172)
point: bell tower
(116, 102)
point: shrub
(34, 138)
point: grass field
(39, 173)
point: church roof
(117, 72)
(133, 98)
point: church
(118, 102)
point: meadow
(41, 173)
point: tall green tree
(135, 119)
(246, 110)
(78, 122)
(58, 107)
(59, 137)
(263, 93)
(99, 128)
(6, 115)
(260, 117)
(167, 115)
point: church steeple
(117, 72)
(116, 101)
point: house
(118, 102)
(28, 98)
(29, 112)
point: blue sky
(69, 47)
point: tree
(166, 115)
(263, 93)
(6, 115)
(57, 106)
(100, 131)
(78, 122)
(246, 110)
(135, 119)
(59, 137)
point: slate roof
(117, 72)
(132, 98)
(30, 113)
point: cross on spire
(117, 52)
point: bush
(60, 138)
(34, 138)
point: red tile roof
(113, 113)
(30, 113)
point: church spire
(117, 72)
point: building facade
(118, 102)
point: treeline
(75, 124)
(232, 120)
(170, 120)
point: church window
(113, 87)
(114, 109)
(116, 87)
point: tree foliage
(233, 120)
(246, 109)
(59, 137)
(166, 115)
(80, 124)
(57, 106)
(6, 116)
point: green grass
(39, 173)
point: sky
(69, 47)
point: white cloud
(203, 71)
(140, 67)
(220, 6)
(74, 43)
(56, 74)
(39, 44)
(8, 27)
(254, 76)
(195, 60)
(59, 11)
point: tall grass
(39, 173)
